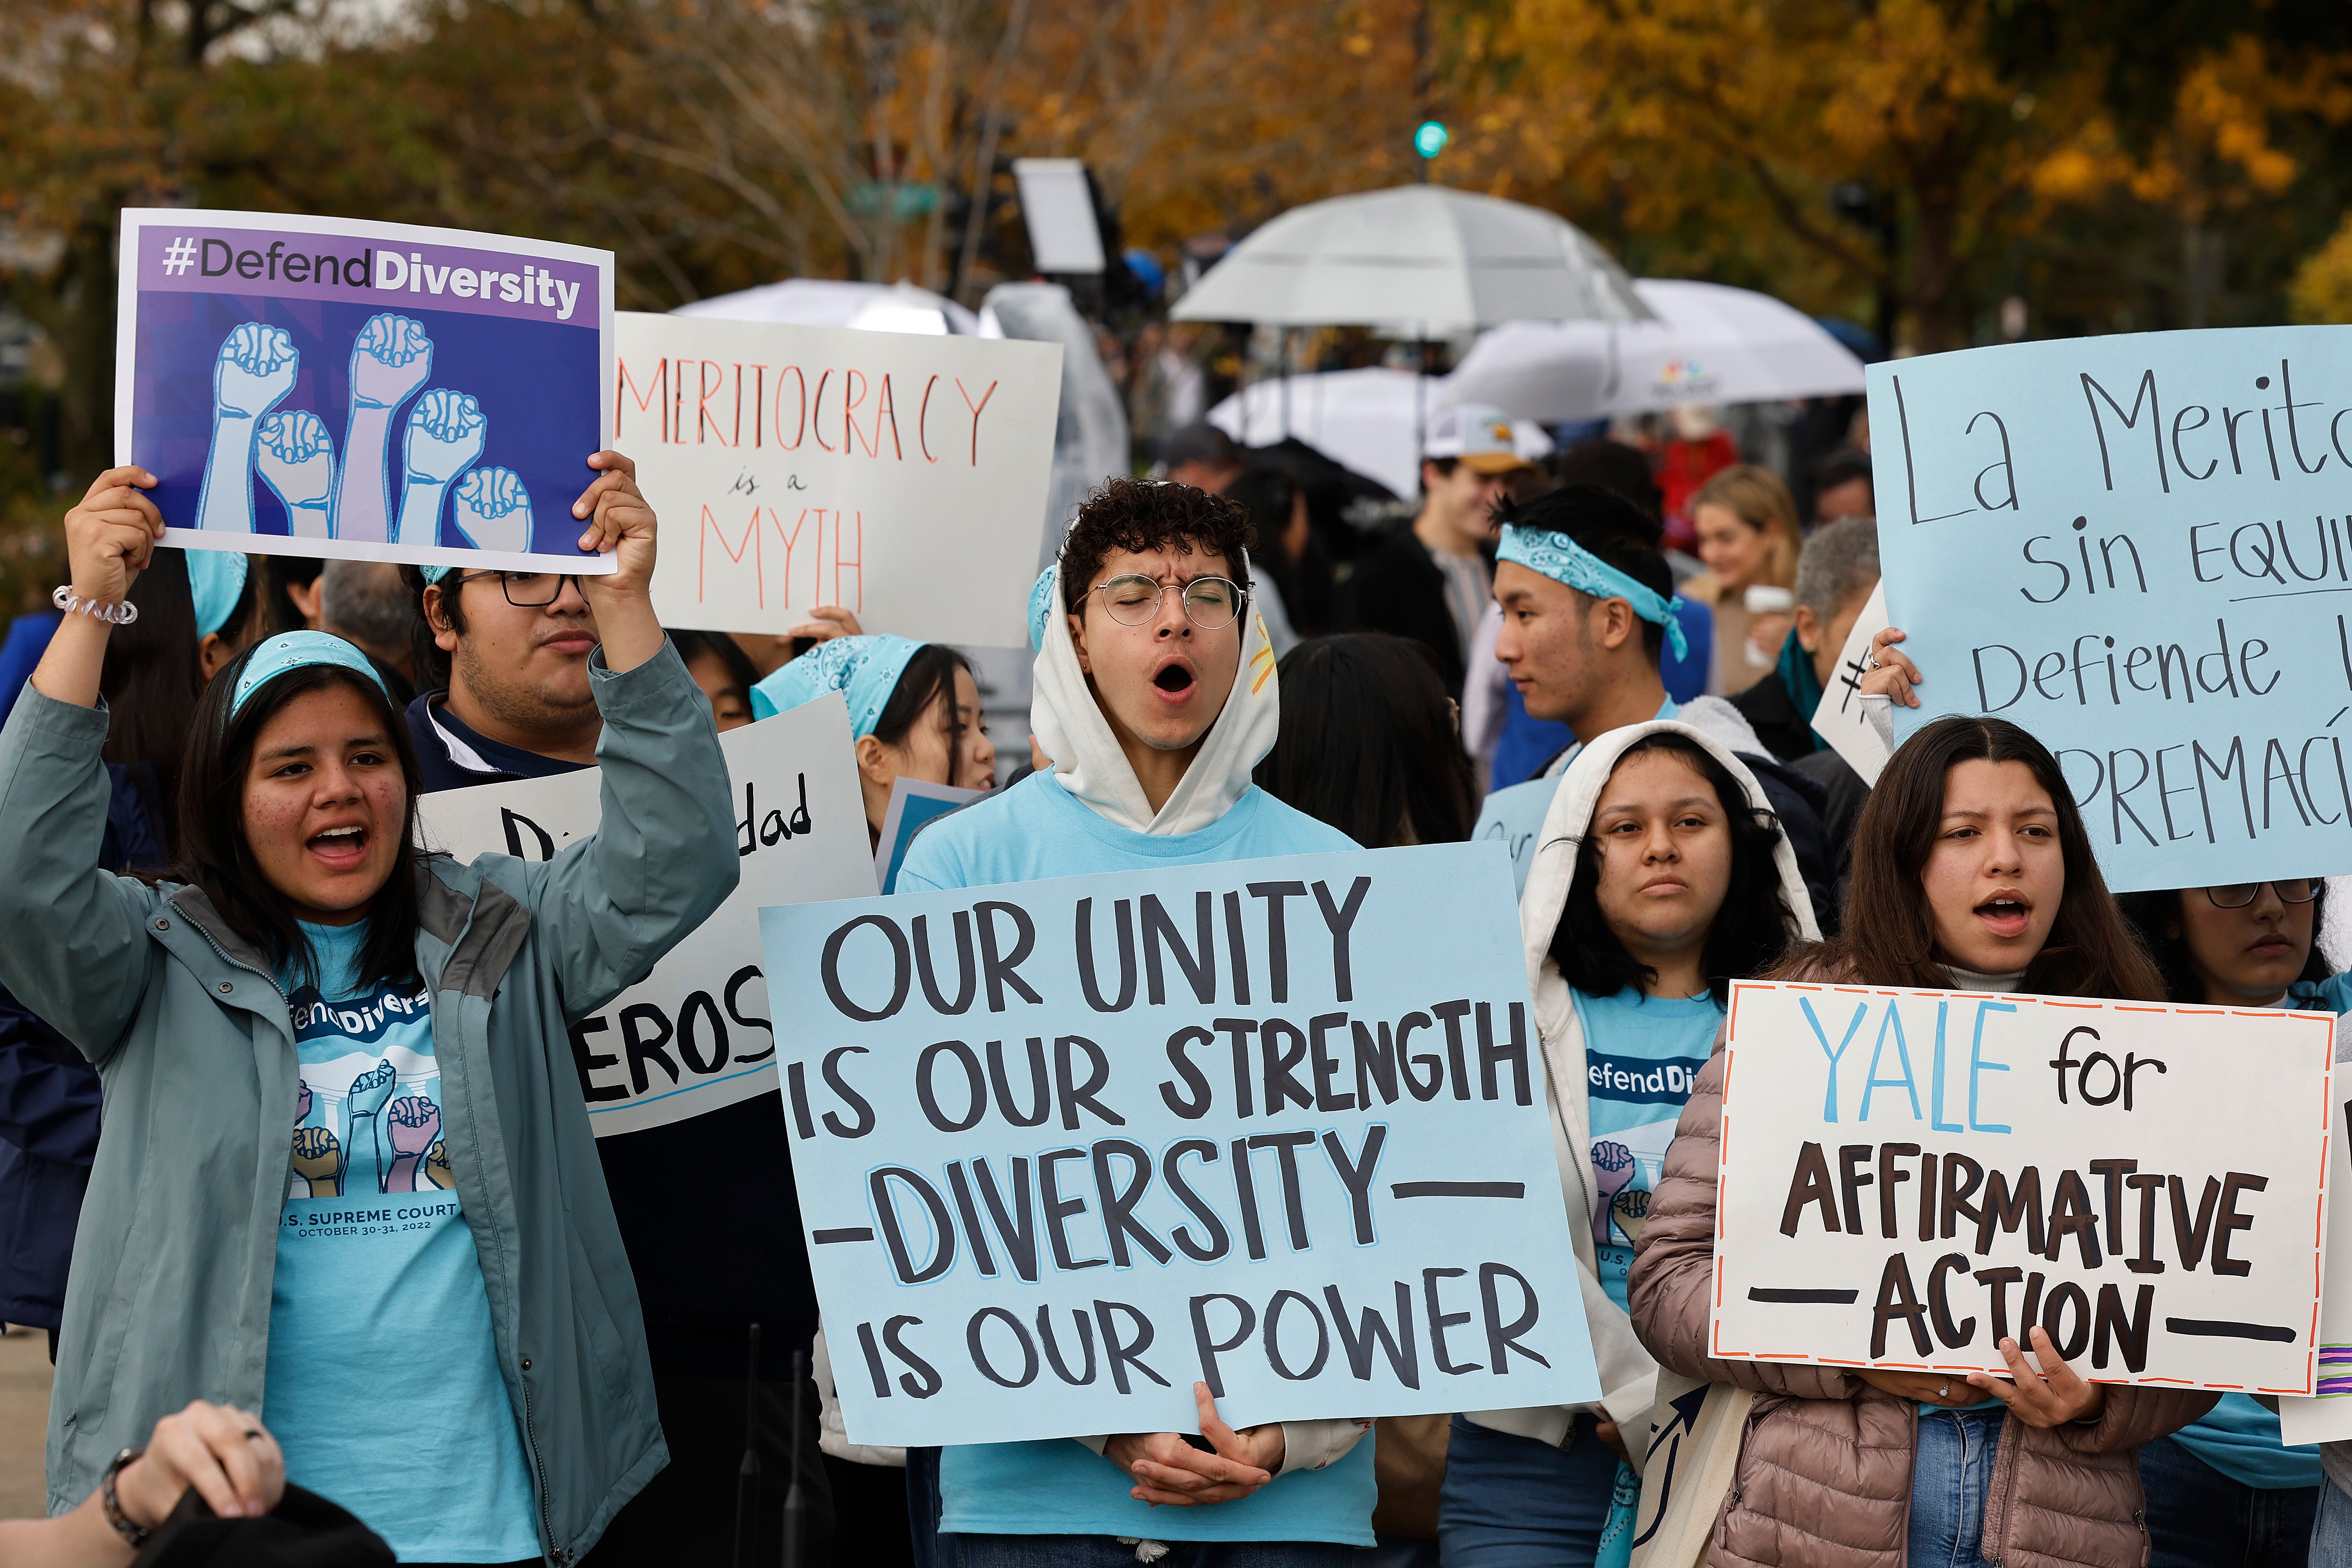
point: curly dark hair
(1751, 930)
(1141, 514)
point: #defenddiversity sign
(1908, 1176)
(1065, 1147)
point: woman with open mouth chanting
(1156, 695)
(1971, 871)
(348, 1179)
(1660, 877)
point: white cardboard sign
(1840, 719)
(698, 1034)
(899, 475)
(1909, 1175)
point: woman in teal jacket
(347, 1177)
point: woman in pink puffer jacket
(1971, 871)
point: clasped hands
(2052, 1398)
(1168, 1470)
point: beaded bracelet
(66, 600)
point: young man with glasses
(1155, 696)
(706, 1211)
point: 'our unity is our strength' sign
(1065, 1147)
(1909, 1177)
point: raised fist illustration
(414, 1123)
(494, 510)
(436, 1166)
(317, 1160)
(389, 360)
(1612, 1171)
(371, 1090)
(256, 368)
(445, 436)
(297, 458)
(302, 1103)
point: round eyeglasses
(528, 590)
(2238, 895)
(1133, 600)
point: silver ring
(1945, 1391)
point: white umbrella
(1432, 260)
(1709, 344)
(829, 302)
(1366, 420)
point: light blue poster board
(1065, 1147)
(2135, 547)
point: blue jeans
(2199, 1518)
(1951, 1470)
(2331, 1529)
(1105, 1552)
(1509, 1501)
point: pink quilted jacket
(1824, 1476)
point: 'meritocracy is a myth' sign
(1910, 1176)
(2137, 547)
(1064, 1148)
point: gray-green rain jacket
(169, 1297)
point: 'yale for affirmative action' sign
(1908, 1176)
(1065, 1147)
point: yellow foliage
(2322, 290)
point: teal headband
(864, 670)
(1563, 560)
(433, 573)
(293, 650)
(1041, 604)
(215, 583)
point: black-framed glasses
(528, 590)
(2238, 895)
(1133, 600)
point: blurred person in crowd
(50, 1096)
(368, 604)
(1836, 577)
(1747, 536)
(1588, 609)
(771, 651)
(302, 924)
(709, 1259)
(1696, 447)
(232, 606)
(2226, 1490)
(1156, 695)
(1368, 742)
(1841, 485)
(723, 670)
(1432, 581)
(1660, 878)
(1203, 456)
(1974, 872)
(914, 712)
(293, 591)
(1293, 574)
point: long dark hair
(927, 682)
(213, 853)
(2151, 913)
(1750, 932)
(151, 681)
(1888, 936)
(1368, 743)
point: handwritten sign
(899, 475)
(337, 387)
(913, 804)
(2135, 547)
(1065, 1147)
(1910, 1175)
(1840, 718)
(698, 1034)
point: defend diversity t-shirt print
(379, 1323)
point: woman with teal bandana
(349, 1180)
(913, 712)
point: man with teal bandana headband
(1588, 611)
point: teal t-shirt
(1641, 1054)
(384, 1386)
(2240, 1439)
(1035, 830)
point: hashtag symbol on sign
(179, 255)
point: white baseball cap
(1479, 435)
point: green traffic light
(1430, 140)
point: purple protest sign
(337, 387)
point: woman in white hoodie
(1659, 876)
